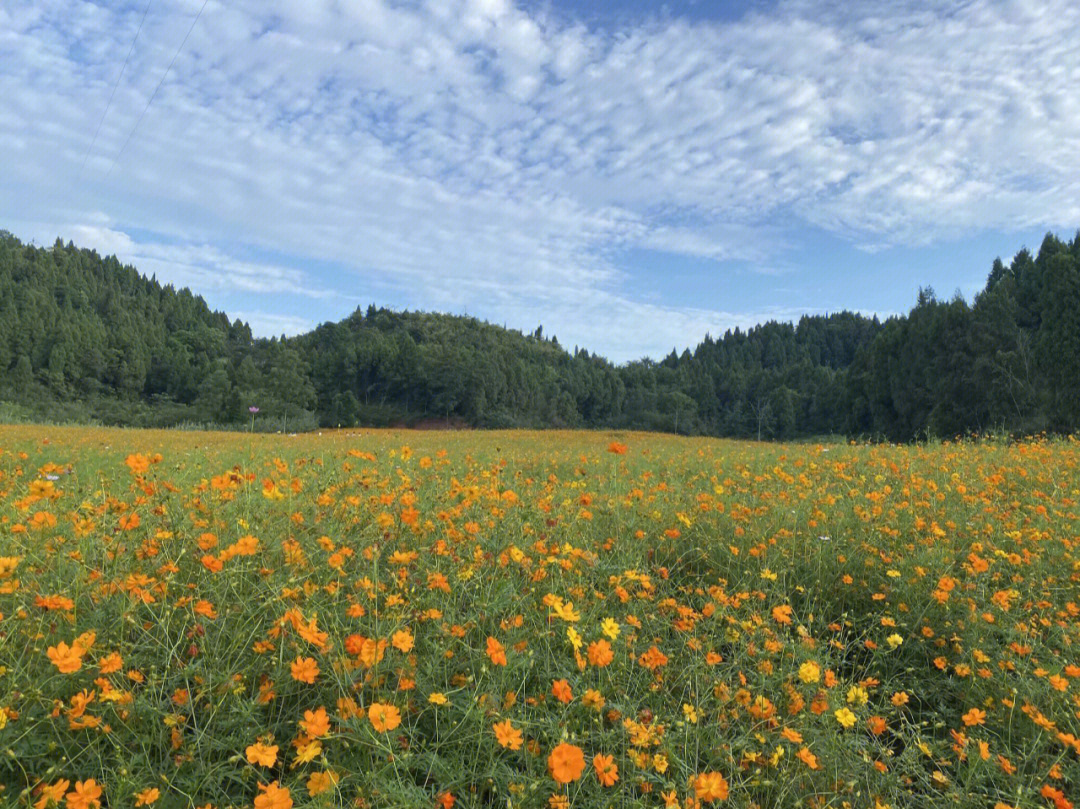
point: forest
(86, 338)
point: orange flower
(129, 522)
(616, 448)
(782, 614)
(320, 782)
(82, 644)
(600, 653)
(304, 670)
(877, 725)
(316, 723)
(147, 797)
(561, 690)
(66, 658)
(507, 735)
(372, 651)
(1057, 796)
(354, 643)
(137, 463)
(792, 736)
(110, 663)
(259, 753)
(496, 652)
(607, 771)
(653, 659)
(245, 546)
(566, 763)
(55, 602)
(806, 757)
(593, 699)
(42, 520)
(50, 795)
(383, 717)
(710, 787)
(273, 797)
(974, 717)
(403, 640)
(87, 794)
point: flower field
(437, 619)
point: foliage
(78, 328)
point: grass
(534, 619)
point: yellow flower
(610, 628)
(857, 695)
(307, 752)
(565, 610)
(894, 640)
(574, 637)
(845, 717)
(437, 698)
(810, 672)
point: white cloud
(203, 268)
(268, 324)
(470, 154)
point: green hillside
(84, 337)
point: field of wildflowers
(535, 620)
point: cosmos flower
(261, 754)
(383, 717)
(304, 670)
(710, 787)
(566, 763)
(607, 771)
(273, 796)
(507, 735)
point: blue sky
(629, 174)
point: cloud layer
(466, 155)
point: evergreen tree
(76, 327)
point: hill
(82, 335)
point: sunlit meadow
(438, 619)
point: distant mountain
(84, 337)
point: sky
(630, 175)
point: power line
(153, 95)
(131, 50)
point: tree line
(82, 336)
